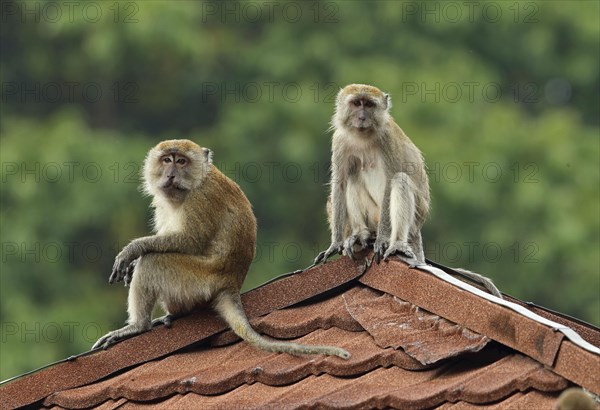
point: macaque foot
(113, 337)
(361, 239)
(166, 320)
(106, 340)
(380, 247)
(400, 249)
(335, 247)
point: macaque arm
(124, 262)
(161, 244)
(339, 215)
(339, 211)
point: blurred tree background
(502, 98)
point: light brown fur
(205, 241)
(575, 398)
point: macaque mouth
(363, 125)
(172, 185)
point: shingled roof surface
(416, 341)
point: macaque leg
(140, 302)
(356, 204)
(402, 215)
(180, 282)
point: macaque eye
(167, 160)
(370, 104)
(181, 161)
(356, 103)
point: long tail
(229, 306)
(482, 280)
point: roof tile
(585, 330)
(396, 323)
(377, 321)
(393, 387)
(482, 316)
(579, 366)
(518, 401)
(298, 321)
(238, 364)
(112, 404)
(189, 329)
(509, 374)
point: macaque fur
(204, 243)
(575, 398)
(379, 184)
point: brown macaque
(204, 243)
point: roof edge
(536, 339)
(566, 330)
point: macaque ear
(208, 154)
(388, 101)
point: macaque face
(173, 168)
(362, 112)
(362, 108)
(175, 179)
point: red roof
(416, 342)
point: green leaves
(504, 108)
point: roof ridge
(572, 335)
(477, 311)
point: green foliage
(504, 109)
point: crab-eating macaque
(204, 243)
(379, 185)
